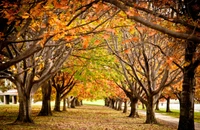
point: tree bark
(168, 104)
(125, 106)
(150, 113)
(57, 102)
(157, 105)
(46, 100)
(134, 112)
(186, 121)
(64, 104)
(73, 103)
(143, 106)
(107, 102)
(115, 104)
(119, 108)
(24, 115)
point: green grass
(96, 102)
(176, 113)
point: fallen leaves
(82, 118)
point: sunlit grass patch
(176, 113)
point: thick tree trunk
(57, 102)
(150, 112)
(24, 115)
(186, 120)
(46, 100)
(125, 106)
(168, 104)
(134, 112)
(64, 104)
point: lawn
(175, 113)
(86, 117)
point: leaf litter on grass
(84, 118)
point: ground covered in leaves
(87, 117)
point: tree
(30, 74)
(177, 12)
(63, 82)
(150, 71)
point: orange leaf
(97, 42)
(135, 39)
(85, 44)
(127, 51)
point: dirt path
(171, 120)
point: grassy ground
(175, 113)
(87, 117)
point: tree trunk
(77, 102)
(186, 120)
(107, 102)
(73, 103)
(119, 108)
(125, 106)
(150, 113)
(24, 115)
(68, 102)
(64, 104)
(157, 105)
(134, 112)
(168, 104)
(143, 106)
(46, 100)
(57, 102)
(115, 104)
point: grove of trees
(148, 48)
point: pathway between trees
(86, 117)
(169, 119)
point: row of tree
(38, 36)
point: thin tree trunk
(125, 106)
(64, 104)
(150, 113)
(68, 102)
(57, 102)
(168, 104)
(134, 112)
(77, 102)
(119, 108)
(73, 103)
(107, 102)
(157, 105)
(46, 100)
(186, 120)
(143, 106)
(115, 104)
